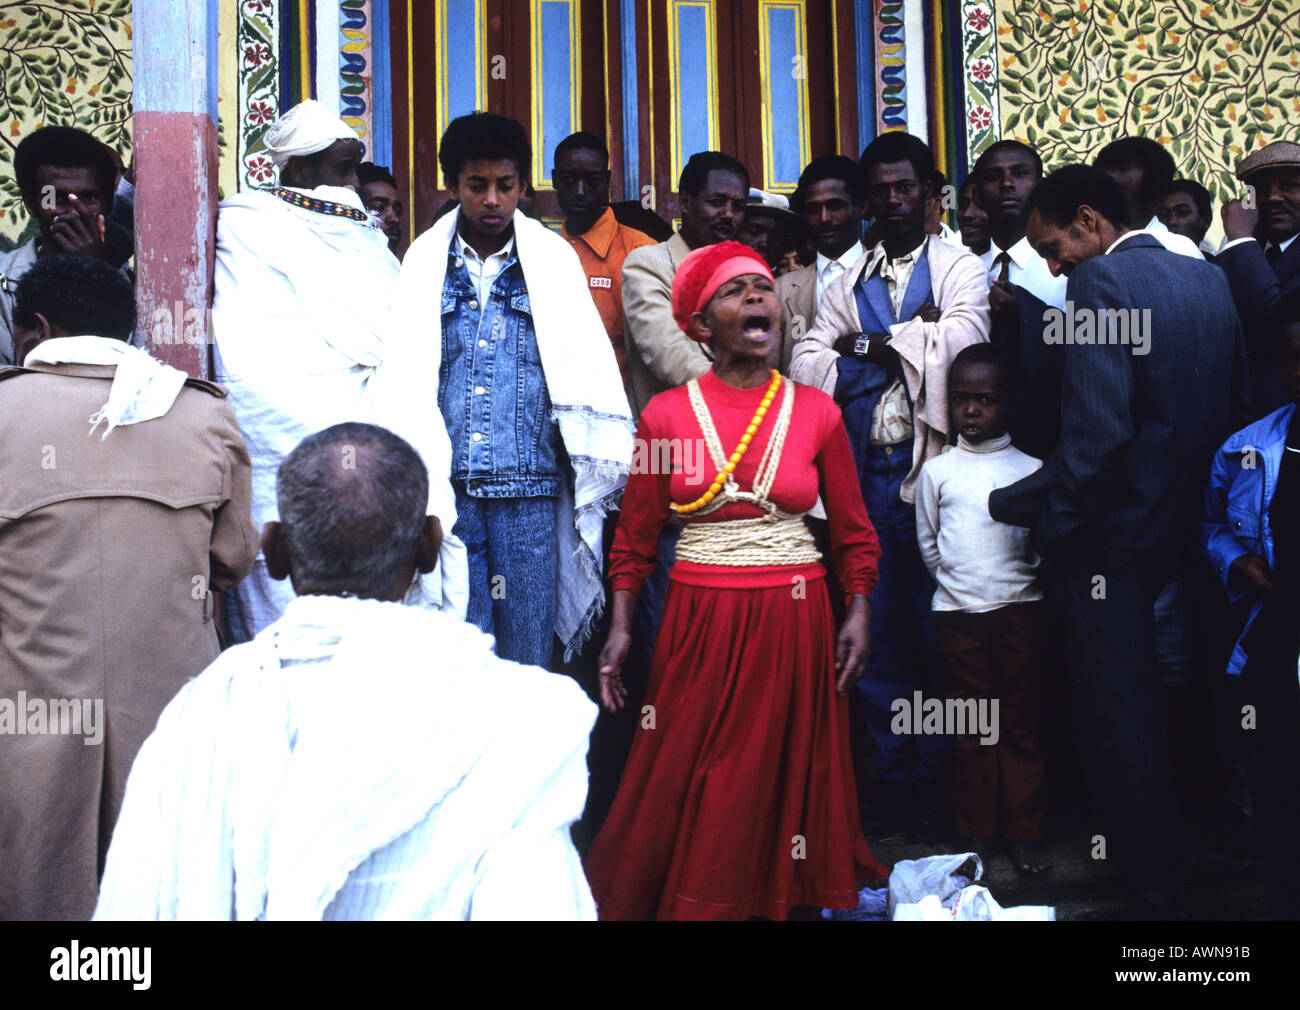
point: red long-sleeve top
(816, 458)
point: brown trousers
(997, 788)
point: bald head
(352, 502)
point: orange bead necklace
(736, 456)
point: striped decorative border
(257, 40)
(891, 87)
(355, 94)
(980, 73)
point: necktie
(1004, 274)
(1272, 252)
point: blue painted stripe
(957, 92)
(213, 59)
(786, 114)
(381, 93)
(864, 32)
(631, 103)
(288, 42)
(310, 56)
(165, 34)
(693, 97)
(557, 85)
(462, 73)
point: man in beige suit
(713, 188)
(832, 201)
(113, 537)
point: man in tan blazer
(831, 200)
(113, 537)
(713, 188)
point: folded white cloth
(143, 387)
(308, 128)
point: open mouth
(756, 327)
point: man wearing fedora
(1262, 257)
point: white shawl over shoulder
(361, 760)
(587, 398)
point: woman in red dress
(738, 797)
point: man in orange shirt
(581, 180)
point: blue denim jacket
(1237, 500)
(492, 390)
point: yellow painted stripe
(304, 48)
(410, 112)
(674, 96)
(604, 48)
(650, 76)
(835, 64)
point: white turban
(307, 128)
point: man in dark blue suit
(1151, 344)
(1262, 257)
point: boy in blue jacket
(1251, 535)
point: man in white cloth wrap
(301, 321)
(359, 759)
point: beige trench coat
(109, 552)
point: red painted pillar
(176, 175)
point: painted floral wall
(1212, 81)
(66, 63)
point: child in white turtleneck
(986, 609)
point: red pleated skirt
(740, 801)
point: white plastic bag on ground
(942, 876)
(941, 888)
(927, 909)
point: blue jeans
(511, 544)
(904, 642)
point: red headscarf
(705, 270)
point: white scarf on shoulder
(587, 399)
(143, 387)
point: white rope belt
(778, 539)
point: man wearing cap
(303, 340)
(768, 225)
(1262, 258)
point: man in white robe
(359, 759)
(304, 284)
